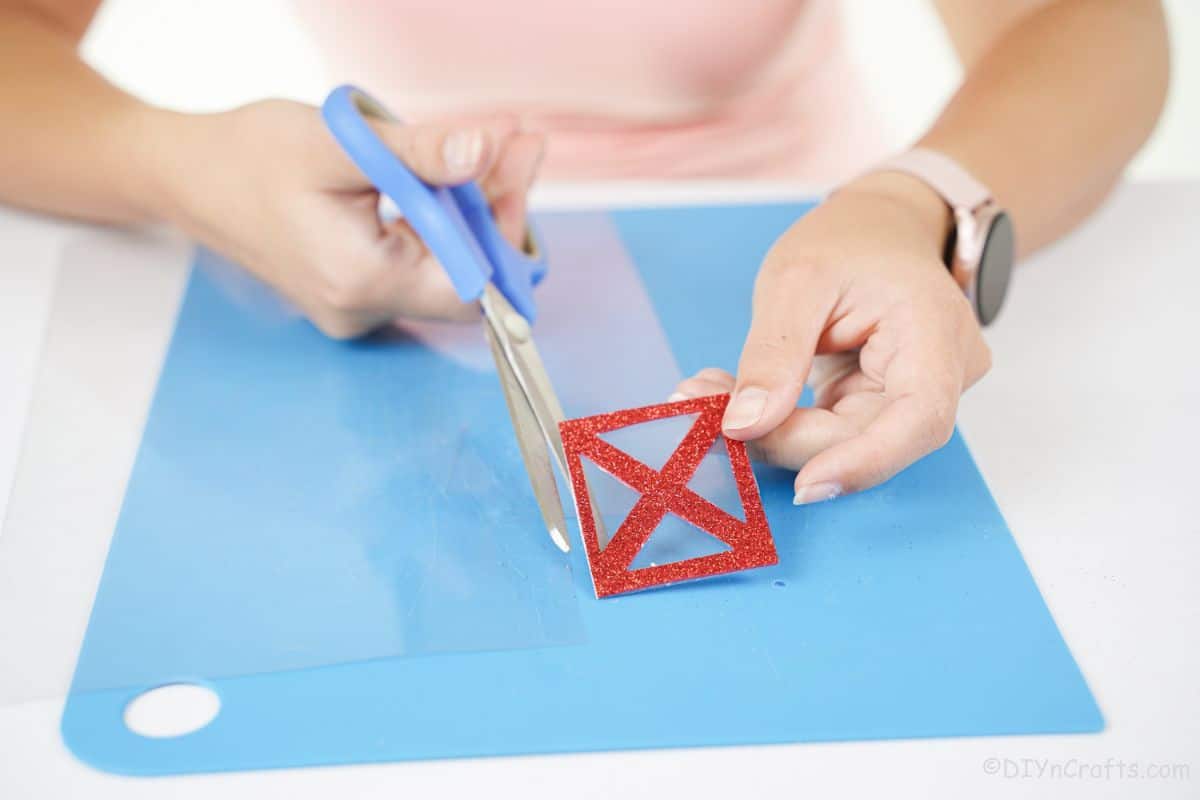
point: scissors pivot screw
(517, 327)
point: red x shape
(663, 491)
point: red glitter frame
(665, 491)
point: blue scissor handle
(456, 224)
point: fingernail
(746, 408)
(461, 151)
(816, 493)
(677, 396)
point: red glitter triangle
(665, 491)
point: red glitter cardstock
(662, 491)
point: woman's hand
(855, 300)
(269, 187)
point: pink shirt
(623, 88)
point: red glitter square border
(665, 491)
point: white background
(219, 53)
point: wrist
(172, 145)
(931, 216)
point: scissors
(457, 226)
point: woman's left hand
(855, 300)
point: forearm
(74, 144)
(1050, 114)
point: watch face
(995, 268)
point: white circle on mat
(172, 710)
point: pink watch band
(980, 250)
(957, 187)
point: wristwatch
(981, 249)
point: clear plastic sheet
(297, 502)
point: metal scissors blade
(533, 446)
(533, 406)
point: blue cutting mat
(906, 611)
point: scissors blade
(533, 446)
(515, 339)
(512, 343)
(544, 403)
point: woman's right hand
(267, 186)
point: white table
(1087, 431)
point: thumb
(789, 315)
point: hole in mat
(174, 709)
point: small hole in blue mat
(174, 709)
(778, 584)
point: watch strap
(959, 188)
